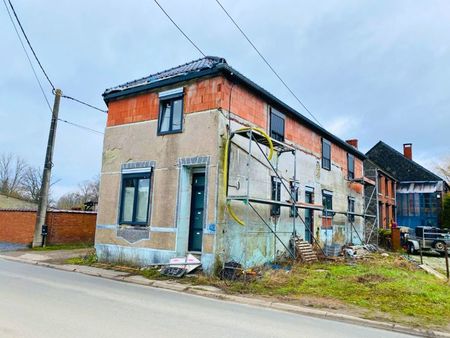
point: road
(37, 301)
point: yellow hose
(225, 166)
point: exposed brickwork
(213, 93)
(64, 227)
(386, 199)
(244, 104)
(17, 226)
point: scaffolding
(260, 141)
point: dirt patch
(371, 279)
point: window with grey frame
(135, 199)
(350, 166)
(294, 188)
(276, 196)
(327, 203)
(277, 125)
(326, 154)
(170, 118)
(351, 209)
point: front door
(309, 218)
(197, 212)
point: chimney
(353, 142)
(407, 150)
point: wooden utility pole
(38, 239)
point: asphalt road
(42, 302)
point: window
(135, 199)
(350, 166)
(386, 187)
(388, 218)
(351, 209)
(276, 125)
(170, 112)
(326, 154)
(327, 202)
(276, 195)
(294, 192)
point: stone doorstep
(211, 292)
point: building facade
(381, 195)
(419, 192)
(180, 174)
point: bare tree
(443, 169)
(31, 184)
(12, 171)
(87, 192)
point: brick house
(381, 196)
(419, 192)
(164, 191)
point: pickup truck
(428, 239)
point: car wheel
(439, 245)
(411, 249)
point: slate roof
(212, 66)
(207, 62)
(397, 165)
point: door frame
(183, 210)
(194, 171)
(310, 191)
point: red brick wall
(17, 226)
(64, 227)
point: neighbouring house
(419, 192)
(8, 202)
(380, 196)
(199, 159)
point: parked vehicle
(428, 239)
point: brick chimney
(407, 150)
(353, 142)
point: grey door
(309, 219)
(197, 212)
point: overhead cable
(178, 27)
(267, 63)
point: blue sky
(367, 69)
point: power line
(37, 59)
(28, 57)
(81, 126)
(84, 103)
(39, 82)
(267, 62)
(178, 27)
(29, 44)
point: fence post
(446, 261)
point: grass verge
(388, 287)
(64, 247)
(383, 288)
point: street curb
(186, 288)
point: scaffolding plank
(278, 146)
(300, 205)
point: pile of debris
(358, 251)
(180, 266)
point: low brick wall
(64, 227)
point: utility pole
(38, 239)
